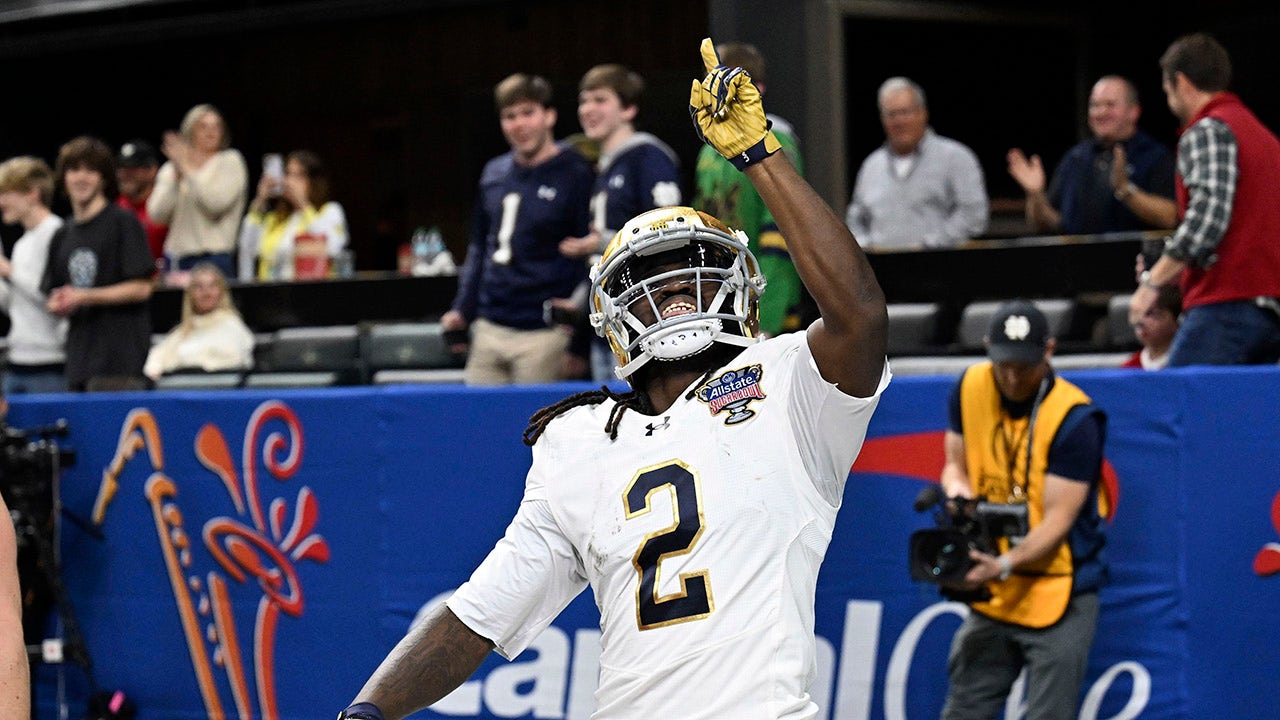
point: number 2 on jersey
(694, 600)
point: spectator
(1155, 330)
(37, 337)
(919, 189)
(15, 688)
(531, 199)
(200, 191)
(636, 172)
(1020, 434)
(99, 275)
(1224, 252)
(1121, 179)
(723, 192)
(137, 165)
(282, 212)
(211, 335)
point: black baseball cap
(137, 153)
(1018, 332)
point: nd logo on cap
(1017, 327)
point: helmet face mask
(687, 264)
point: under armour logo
(617, 181)
(1017, 327)
(546, 192)
(660, 426)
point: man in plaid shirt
(1226, 251)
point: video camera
(941, 555)
(29, 461)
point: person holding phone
(289, 208)
(200, 192)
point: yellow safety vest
(1036, 594)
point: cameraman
(14, 670)
(1020, 434)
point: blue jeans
(1229, 333)
(43, 379)
(224, 261)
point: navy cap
(137, 153)
(1018, 332)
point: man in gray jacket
(919, 189)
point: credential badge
(733, 390)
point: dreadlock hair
(633, 399)
(708, 360)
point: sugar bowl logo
(733, 390)
(258, 547)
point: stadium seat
(410, 353)
(911, 327)
(976, 316)
(311, 357)
(200, 380)
(1119, 332)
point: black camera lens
(951, 560)
(939, 556)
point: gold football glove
(727, 112)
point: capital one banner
(261, 553)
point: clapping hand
(1119, 171)
(177, 149)
(1028, 172)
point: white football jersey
(701, 531)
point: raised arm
(848, 342)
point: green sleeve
(780, 295)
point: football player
(698, 506)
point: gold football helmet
(690, 277)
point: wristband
(1006, 567)
(361, 711)
(767, 146)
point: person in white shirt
(200, 192)
(211, 335)
(282, 211)
(698, 506)
(37, 337)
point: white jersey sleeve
(526, 580)
(829, 426)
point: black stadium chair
(196, 380)
(1119, 331)
(311, 357)
(410, 353)
(976, 316)
(912, 327)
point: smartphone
(273, 167)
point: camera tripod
(32, 495)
